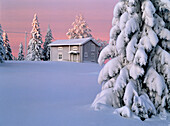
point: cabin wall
(57, 51)
(90, 52)
(60, 50)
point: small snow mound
(123, 111)
(103, 98)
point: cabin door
(74, 57)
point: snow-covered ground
(56, 94)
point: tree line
(35, 51)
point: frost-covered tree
(34, 47)
(80, 29)
(48, 40)
(137, 78)
(2, 49)
(8, 51)
(20, 54)
(102, 44)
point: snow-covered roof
(72, 42)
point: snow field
(55, 94)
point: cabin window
(85, 54)
(75, 48)
(92, 47)
(60, 56)
(92, 57)
(60, 48)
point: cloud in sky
(17, 15)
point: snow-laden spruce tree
(2, 49)
(34, 47)
(137, 78)
(80, 29)
(20, 54)
(8, 51)
(48, 40)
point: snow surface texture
(56, 94)
(80, 29)
(137, 78)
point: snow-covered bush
(80, 29)
(20, 54)
(137, 78)
(34, 47)
(48, 40)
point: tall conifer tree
(80, 29)
(34, 47)
(48, 39)
(20, 54)
(2, 49)
(8, 51)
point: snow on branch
(165, 34)
(109, 70)
(156, 85)
(131, 48)
(123, 20)
(159, 24)
(114, 32)
(118, 9)
(165, 44)
(130, 92)
(161, 63)
(143, 107)
(120, 42)
(131, 27)
(122, 79)
(140, 57)
(153, 37)
(145, 43)
(148, 11)
(107, 52)
(136, 71)
(109, 84)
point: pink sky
(17, 15)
